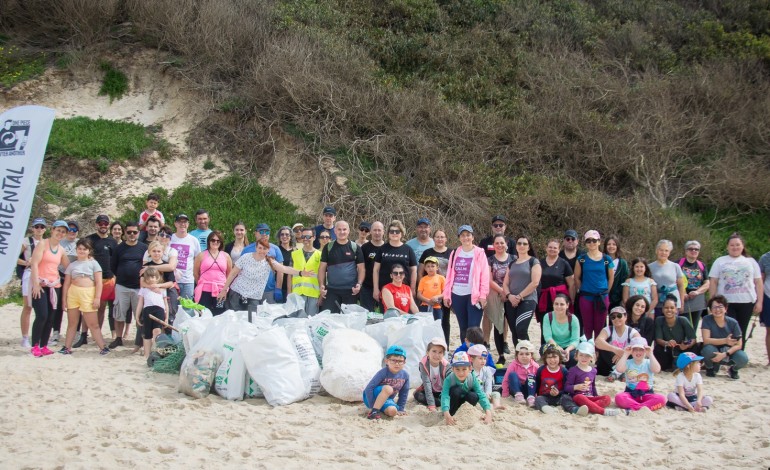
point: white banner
(24, 135)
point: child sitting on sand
(640, 369)
(389, 381)
(519, 378)
(462, 386)
(689, 385)
(486, 375)
(474, 335)
(580, 395)
(151, 302)
(433, 370)
(549, 380)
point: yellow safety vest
(307, 286)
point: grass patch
(51, 192)
(208, 164)
(100, 140)
(17, 65)
(13, 298)
(228, 200)
(115, 83)
(752, 227)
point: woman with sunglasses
(324, 237)
(210, 271)
(667, 275)
(70, 251)
(520, 288)
(117, 231)
(396, 294)
(393, 252)
(286, 244)
(612, 341)
(234, 248)
(673, 334)
(25, 260)
(594, 278)
(697, 283)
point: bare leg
(486, 327)
(26, 312)
(90, 319)
(73, 315)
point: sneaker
(36, 351)
(711, 373)
(45, 351)
(734, 373)
(25, 342)
(582, 411)
(81, 341)
(531, 401)
(104, 351)
(611, 412)
(374, 414)
(506, 349)
(519, 398)
(501, 360)
(547, 409)
(118, 342)
(65, 351)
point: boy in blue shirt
(389, 381)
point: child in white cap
(486, 375)
(433, 370)
(462, 386)
(640, 367)
(519, 378)
(580, 395)
(689, 385)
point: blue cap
(423, 220)
(39, 221)
(571, 233)
(686, 358)
(464, 228)
(60, 223)
(262, 226)
(396, 350)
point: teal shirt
(471, 382)
(560, 333)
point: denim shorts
(388, 403)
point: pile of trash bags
(284, 357)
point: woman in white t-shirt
(737, 277)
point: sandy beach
(89, 411)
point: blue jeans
(737, 360)
(186, 290)
(516, 385)
(438, 314)
(468, 315)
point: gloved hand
(278, 295)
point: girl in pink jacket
(467, 281)
(519, 378)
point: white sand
(86, 411)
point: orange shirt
(431, 286)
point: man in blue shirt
(202, 232)
(273, 292)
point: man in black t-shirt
(126, 264)
(369, 250)
(341, 273)
(498, 228)
(571, 250)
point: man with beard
(126, 264)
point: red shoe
(45, 351)
(36, 351)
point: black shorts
(149, 324)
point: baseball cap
(499, 218)
(182, 216)
(464, 228)
(478, 350)
(423, 220)
(525, 345)
(437, 341)
(330, 210)
(586, 347)
(592, 234)
(74, 224)
(102, 218)
(60, 223)
(396, 350)
(571, 233)
(261, 226)
(39, 221)
(297, 225)
(638, 342)
(618, 309)
(364, 225)
(685, 358)
(431, 259)
(461, 359)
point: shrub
(17, 65)
(115, 83)
(99, 139)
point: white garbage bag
(351, 358)
(380, 331)
(181, 317)
(414, 338)
(272, 362)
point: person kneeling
(386, 383)
(462, 386)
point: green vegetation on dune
(17, 65)
(13, 298)
(115, 83)
(227, 200)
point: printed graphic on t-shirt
(737, 279)
(633, 377)
(184, 254)
(462, 270)
(694, 277)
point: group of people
(141, 269)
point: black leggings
(210, 302)
(519, 317)
(742, 313)
(458, 396)
(445, 322)
(44, 313)
(420, 397)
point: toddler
(580, 395)
(640, 367)
(689, 385)
(389, 381)
(485, 374)
(151, 210)
(151, 302)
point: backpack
(701, 266)
(352, 244)
(582, 259)
(19, 268)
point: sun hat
(638, 342)
(461, 359)
(297, 225)
(586, 347)
(396, 350)
(437, 341)
(478, 350)
(686, 358)
(525, 345)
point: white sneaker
(25, 342)
(54, 337)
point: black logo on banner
(13, 138)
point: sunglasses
(522, 243)
(264, 232)
(615, 316)
(298, 230)
(164, 235)
(394, 231)
(72, 229)
(592, 240)
(42, 227)
(498, 225)
(215, 240)
(693, 249)
(132, 232)
(569, 239)
(103, 224)
(364, 230)
(324, 237)
(308, 237)
(397, 273)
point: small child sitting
(462, 386)
(431, 288)
(580, 395)
(151, 302)
(486, 375)
(689, 385)
(433, 370)
(474, 335)
(519, 378)
(640, 371)
(550, 379)
(390, 380)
